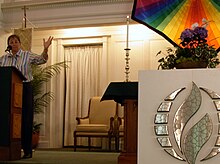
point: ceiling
(65, 13)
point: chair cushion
(84, 121)
(92, 128)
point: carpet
(68, 157)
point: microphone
(8, 49)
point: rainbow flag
(170, 17)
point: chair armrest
(111, 127)
(82, 120)
(121, 126)
(120, 120)
(115, 122)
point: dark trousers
(27, 118)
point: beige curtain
(83, 80)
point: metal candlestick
(127, 58)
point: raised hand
(48, 42)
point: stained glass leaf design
(196, 137)
(189, 107)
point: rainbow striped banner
(170, 17)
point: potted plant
(42, 99)
(193, 51)
(35, 134)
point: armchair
(97, 122)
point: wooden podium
(126, 93)
(10, 113)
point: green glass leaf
(188, 108)
(196, 137)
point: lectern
(10, 113)
(126, 93)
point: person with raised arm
(23, 60)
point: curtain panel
(83, 79)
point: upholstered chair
(97, 123)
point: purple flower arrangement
(191, 38)
(193, 47)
